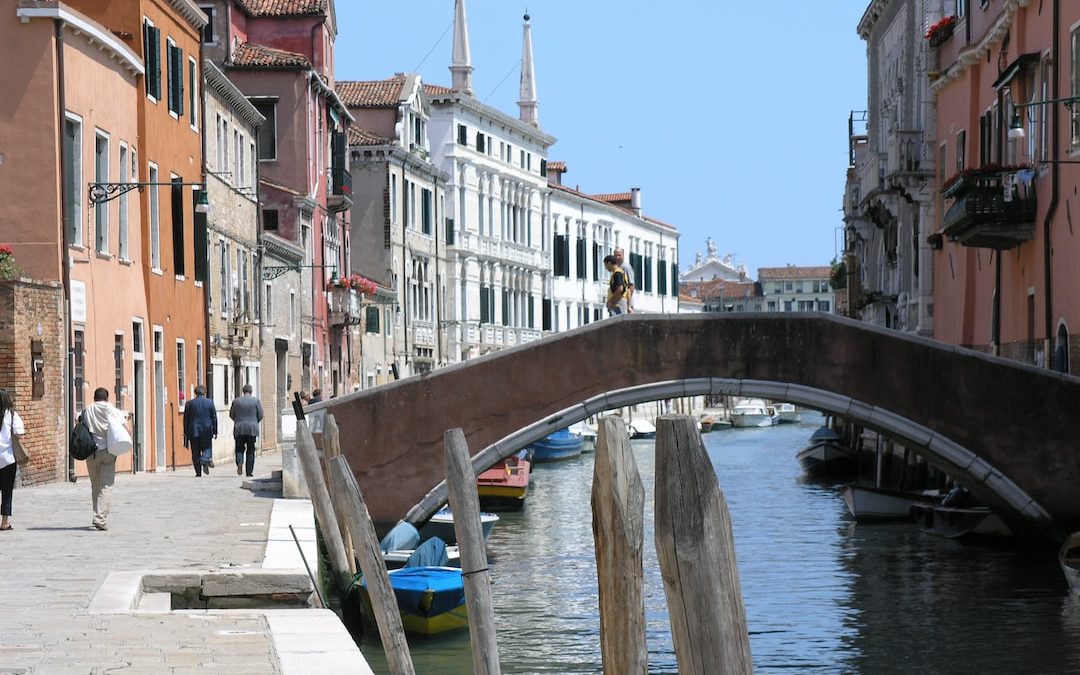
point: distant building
(721, 295)
(797, 289)
(712, 266)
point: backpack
(82, 441)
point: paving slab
(63, 613)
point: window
(462, 135)
(371, 319)
(223, 149)
(823, 305)
(522, 162)
(479, 142)
(223, 277)
(181, 368)
(270, 220)
(798, 287)
(73, 183)
(193, 94)
(118, 369)
(78, 373)
(269, 302)
(136, 337)
(661, 277)
(155, 220)
(292, 312)
(218, 127)
(175, 67)
(425, 211)
(1044, 84)
(961, 159)
(208, 36)
(177, 203)
(543, 167)
(393, 198)
(101, 209)
(268, 129)
(199, 375)
(237, 159)
(152, 59)
(125, 176)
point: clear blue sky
(730, 116)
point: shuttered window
(152, 59)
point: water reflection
(822, 594)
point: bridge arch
(1007, 425)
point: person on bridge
(616, 297)
(246, 412)
(628, 272)
(200, 429)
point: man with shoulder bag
(112, 437)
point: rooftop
(793, 272)
(371, 93)
(283, 7)
(250, 55)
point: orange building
(1006, 79)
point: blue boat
(430, 596)
(557, 446)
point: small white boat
(868, 502)
(587, 432)
(956, 522)
(753, 412)
(788, 413)
(1069, 557)
(641, 428)
(441, 525)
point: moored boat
(826, 456)
(959, 522)
(787, 413)
(1069, 557)
(503, 487)
(641, 428)
(869, 502)
(441, 525)
(587, 433)
(557, 446)
(753, 412)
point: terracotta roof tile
(436, 90)
(613, 198)
(358, 136)
(249, 55)
(793, 272)
(557, 166)
(283, 7)
(371, 93)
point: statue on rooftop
(710, 247)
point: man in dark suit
(246, 412)
(200, 429)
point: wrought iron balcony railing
(993, 209)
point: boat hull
(828, 459)
(556, 447)
(959, 523)
(441, 525)
(431, 600)
(750, 420)
(869, 503)
(503, 487)
(1069, 557)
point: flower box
(941, 31)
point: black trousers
(200, 452)
(7, 487)
(245, 453)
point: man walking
(628, 273)
(616, 297)
(101, 466)
(246, 412)
(200, 429)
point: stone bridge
(1004, 429)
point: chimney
(635, 200)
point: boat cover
(432, 553)
(824, 433)
(411, 585)
(403, 536)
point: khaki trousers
(102, 468)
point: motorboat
(430, 597)
(869, 502)
(557, 446)
(957, 522)
(1069, 557)
(788, 413)
(503, 486)
(641, 428)
(441, 525)
(587, 433)
(827, 456)
(753, 412)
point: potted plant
(941, 31)
(8, 270)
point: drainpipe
(65, 255)
(438, 277)
(1055, 172)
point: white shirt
(12, 422)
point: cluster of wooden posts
(693, 539)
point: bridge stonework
(1005, 429)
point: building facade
(796, 289)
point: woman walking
(10, 425)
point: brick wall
(31, 310)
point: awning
(1015, 67)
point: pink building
(280, 54)
(56, 137)
(1006, 78)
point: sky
(731, 120)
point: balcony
(993, 208)
(346, 306)
(908, 155)
(340, 195)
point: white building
(588, 227)
(498, 234)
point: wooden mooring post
(618, 514)
(331, 439)
(465, 504)
(383, 602)
(696, 551)
(320, 499)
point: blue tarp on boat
(403, 537)
(432, 553)
(412, 585)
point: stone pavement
(54, 565)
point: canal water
(823, 594)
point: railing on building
(908, 154)
(340, 197)
(993, 209)
(346, 307)
(423, 333)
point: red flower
(6, 249)
(944, 24)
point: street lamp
(100, 193)
(1016, 127)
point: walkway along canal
(822, 593)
